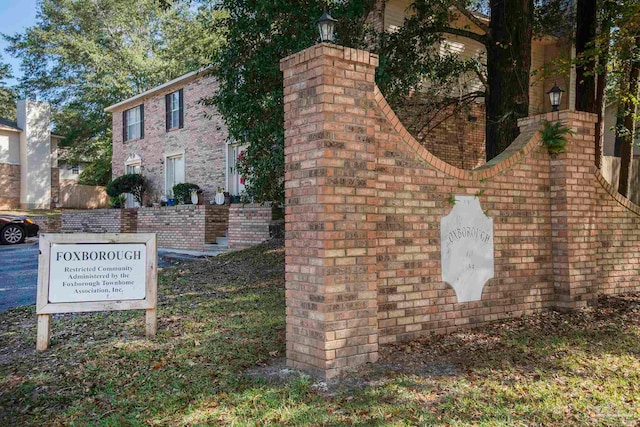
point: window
(133, 123)
(174, 172)
(75, 170)
(133, 165)
(174, 110)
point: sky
(15, 16)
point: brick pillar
(573, 211)
(330, 209)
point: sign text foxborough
(97, 272)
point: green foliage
(133, 183)
(98, 172)
(7, 95)
(554, 136)
(118, 201)
(182, 192)
(82, 56)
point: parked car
(14, 229)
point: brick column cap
(558, 115)
(328, 49)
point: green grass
(223, 319)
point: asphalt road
(19, 273)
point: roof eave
(151, 91)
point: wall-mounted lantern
(325, 26)
(555, 96)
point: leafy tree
(132, 183)
(84, 55)
(7, 95)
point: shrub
(554, 136)
(132, 183)
(118, 201)
(182, 192)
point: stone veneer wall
(363, 207)
(9, 186)
(248, 225)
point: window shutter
(167, 114)
(180, 97)
(124, 126)
(142, 121)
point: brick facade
(363, 207)
(99, 221)
(202, 139)
(48, 224)
(55, 186)
(248, 225)
(188, 227)
(9, 186)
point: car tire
(12, 234)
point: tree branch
(465, 33)
(460, 6)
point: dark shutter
(180, 94)
(124, 126)
(167, 114)
(142, 121)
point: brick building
(28, 158)
(170, 137)
(457, 136)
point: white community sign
(96, 272)
(466, 245)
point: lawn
(218, 360)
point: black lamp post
(555, 96)
(325, 27)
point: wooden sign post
(96, 272)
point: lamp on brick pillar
(325, 26)
(555, 96)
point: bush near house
(182, 192)
(132, 183)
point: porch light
(325, 27)
(555, 96)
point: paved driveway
(19, 273)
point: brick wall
(457, 136)
(55, 186)
(48, 224)
(9, 186)
(248, 225)
(618, 234)
(202, 139)
(216, 222)
(96, 221)
(180, 227)
(363, 207)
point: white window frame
(139, 123)
(134, 161)
(174, 109)
(168, 190)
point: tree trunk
(601, 81)
(508, 68)
(585, 68)
(626, 151)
